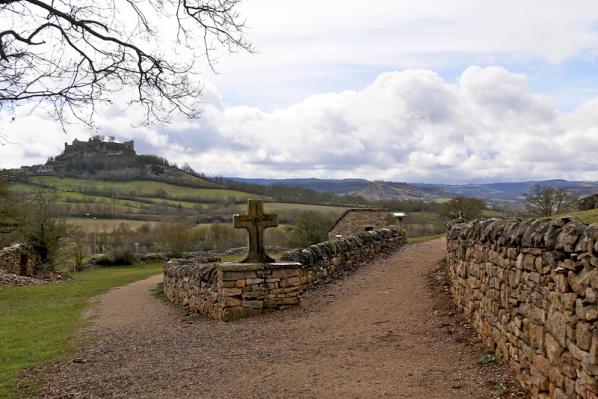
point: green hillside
(98, 205)
(139, 189)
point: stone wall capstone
(229, 291)
(530, 288)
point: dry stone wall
(530, 288)
(229, 291)
(234, 290)
(320, 260)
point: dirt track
(378, 332)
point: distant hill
(501, 193)
(107, 160)
(380, 190)
(102, 179)
(343, 186)
(370, 190)
(515, 191)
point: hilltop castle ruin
(79, 154)
(96, 145)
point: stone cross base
(230, 291)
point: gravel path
(378, 332)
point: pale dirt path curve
(375, 333)
(131, 306)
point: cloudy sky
(427, 91)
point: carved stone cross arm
(255, 222)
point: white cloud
(312, 46)
(410, 125)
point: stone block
(593, 355)
(587, 381)
(586, 311)
(238, 275)
(553, 349)
(556, 325)
(231, 291)
(231, 302)
(229, 284)
(568, 300)
(290, 282)
(254, 294)
(536, 335)
(238, 283)
(253, 304)
(583, 335)
(285, 273)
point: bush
(175, 237)
(41, 227)
(117, 258)
(310, 228)
(465, 207)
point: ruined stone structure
(354, 221)
(21, 259)
(530, 288)
(94, 147)
(228, 291)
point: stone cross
(255, 222)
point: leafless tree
(75, 54)
(548, 201)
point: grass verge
(158, 293)
(37, 321)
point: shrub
(310, 228)
(465, 207)
(117, 258)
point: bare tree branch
(74, 54)
(548, 201)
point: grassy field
(491, 213)
(141, 188)
(97, 225)
(278, 207)
(37, 321)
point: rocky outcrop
(530, 288)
